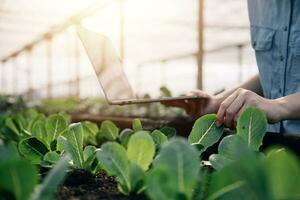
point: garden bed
(125, 158)
(184, 125)
(81, 184)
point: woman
(275, 37)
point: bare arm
(289, 107)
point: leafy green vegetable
(33, 149)
(56, 175)
(90, 132)
(10, 131)
(203, 183)
(125, 135)
(19, 122)
(276, 176)
(177, 167)
(109, 130)
(165, 92)
(39, 131)
(55, 126)
(9, 151)
(90, 161)
(158, 137)
(283, 172)
(231, 148)
(50, 158)
(161, 184)
(205, 132)
(18, 178)
(136, 177)
(242, 176)
(168, 131)
(72, 142)
(141, 149)
(113, 160)
(137, 125)
(250, 132)
(252, 126)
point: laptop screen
(107, 65)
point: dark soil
(81, 184)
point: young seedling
(175, 171)
(33, 149)
(90, 132)
(19, 178)
(251, 128)
(49, 185)
(125, 136)
(159, 138)
(275, 176)
(72, 142)
(43, 138)
(137, 125)
(128, 165)
(168, 131)
(108, 132)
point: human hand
(231, 108)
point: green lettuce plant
(72, 143)
(175, 171)
(129, 165)
(54, 178)
(43, 137)
(90, 133)
(251, 128)
(159, 138)
(19, 177)
(168, 131)
(125, 136)
(108, 132)
(137, 125)
(275, 176)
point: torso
(275, 37)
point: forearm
(252, 84)
(289, 107)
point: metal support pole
(15, 75)
(77, 63)
(49, 67)
(70, 64)
(3, 79)
(122, 32)
(200, 44)
(138, 77)
(163, 73)
(240, 62)
(28, 73)
(1, 74)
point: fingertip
(218, 123)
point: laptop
(110, 73)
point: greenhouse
(149, 100)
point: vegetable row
(157, 163)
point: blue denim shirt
(275, 37)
